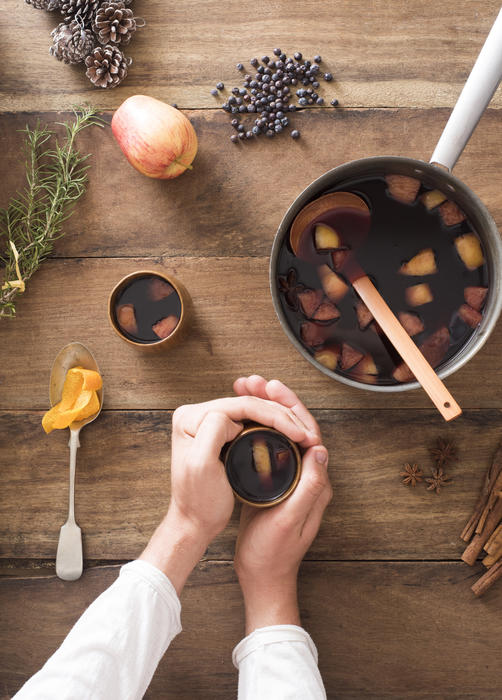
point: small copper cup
(237, 477)
(185, 313)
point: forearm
(175, 548)
(270, 603)
(115, 646)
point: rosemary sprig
(55, 178)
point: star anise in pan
(289, 287)
(411, 474)
(438, 480)
(444, 452)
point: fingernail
(321, 455)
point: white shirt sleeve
(114, 648)
(278, 663)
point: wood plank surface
(401, 53)
(235, 331)
(123, 486)
(235, 197)
(383, 630)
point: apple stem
(188, 167)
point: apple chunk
(309, 301)
(432, 199)
(475, 296)
(433, 349)
(411, 323)
(328, 356)
(403, 188)
(261, 461)
(469, 249)
(327, 311)
(314, 334)
(451, 213)
(423, 263)
(126, 318)
(350, 356)
(333, 285)
(326, 238)
(419, 294)
(366, 370)
(470, 315)
(364, 315)
(159, 289)
(165, 326)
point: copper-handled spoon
(69, 557)
(403, 343)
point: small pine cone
(114, 23)
(80, 9)
(49, 5)
(107, 66)
(71, 42)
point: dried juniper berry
(319, 101)
(297, 56)
(295, 134)
(239, 66)
(328, 77)
(214, 92)
(220, 85)
(317, 59)
(277, 52)
(254, 62)
(265, 59)
(334, 102)
(234, 138)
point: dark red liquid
(243, 476)
(397, 233)
(147, 310)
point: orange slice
(79, 399)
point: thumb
(313, 481)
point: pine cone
(107, 66)
(80, 9)
(114, 23)
(71, 42)
(48, 5)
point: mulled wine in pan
(422, 254)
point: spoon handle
(424, 373)
(74, 445)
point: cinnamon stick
(495, 541)
(487, 580)
(492, 498)
(491, 477)
(473, 550)
(492, 558)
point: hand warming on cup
(202, 500)
(272, 542)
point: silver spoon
(69, 560)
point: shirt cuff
(271, 635)
(157, 580)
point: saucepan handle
(473, 100)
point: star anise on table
(412, 474)
(437, 480)
(289, 286)
(444, 452)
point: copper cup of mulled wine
(263, 466)
(149, 309)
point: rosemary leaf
(56, 178)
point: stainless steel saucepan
(475, 96)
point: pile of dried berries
(270, 92)
(443, 454)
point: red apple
(157, 139)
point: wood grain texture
(123, 485)
(382, 54)
(234, 199)
(383, 630)
(235, 331)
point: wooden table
(383, 591)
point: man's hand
(202, 500)
(272, 542)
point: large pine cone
(80, 9)
(107, 66)
(71, 42)
(114, 23)
(48, 5)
